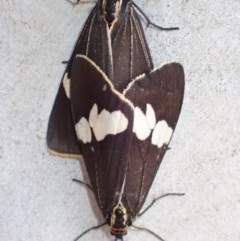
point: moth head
(119, 221)
(111, 9)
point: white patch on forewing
(144, 123)
(66, 85)
(161, 134)
(151, 117)
(141, 126)
(93, 115)
(83, 131)
(102, 124)
(104, 87)
(107, 123)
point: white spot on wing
(144, 123)
(140, 125)
(83, 131)
(93, 115)
(151, 117)
(161, 134)
(104, 124)
(108, 123)
(66, 85)
(104, 87)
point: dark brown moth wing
(61, 135)
(103, 120)
(94, 43)
(131, 56)
(157, 97)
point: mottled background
(38, 200)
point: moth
(117, 111)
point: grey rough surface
(39, 202)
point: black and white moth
(124, 135)
(116, 111)
(119, 49)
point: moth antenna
(149, 231)
(82, 183)
(88, 230)
(149, 22)
(156, 199)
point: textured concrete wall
(38, 200)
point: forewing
(61, 135)
(94, 43)
(131, 56)
(103, 119)
(158, 96)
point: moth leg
(88, 230)
(156, 199)
(65, 61)
(149, 231)
(74, 3)
(119, 238)
(82, 183)
(149, 22)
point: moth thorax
(119, 221)
(111, 9)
